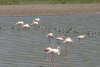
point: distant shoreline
(48, 9)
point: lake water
(26, 50)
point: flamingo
(68, 40)
(26, 26)
(50, 35)
(46, 50)
(35, 23)
(53, 52)
(81, 37)
(37, 19)
(20, 23)
(59, 39)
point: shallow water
(27, 50)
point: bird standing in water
(26, 26)
(50, 35)
(37, 19)
(59, 39)
(20, 23)
(81, 37)
(46, 50)
(68, 40)
(53, 52)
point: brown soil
(48, 9)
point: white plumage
(81, 37)
(37, 19)
(19, 23)
(50, 35)
(59, 38)
(68, 40)
(26, 26)
(35, 23)
(55, 51)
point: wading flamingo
(68, 40)
(20, 23)
(53, 52)
(50, 35)
(46, 50)
(37, 19)
(35, 23)
(26, 26)
(59, 39)
(81, 37)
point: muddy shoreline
(48, 9)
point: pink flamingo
(37, 19)
(46, 50)
(81, 37)
(35, 23)
(59, 39)
(26, 26)
(20, 23)
(50, 35)
(68, 40)
(53, 52)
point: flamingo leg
(34, 27)
(51, 57)
(80, 42)
(45, 56)
(66, 47)
(37, 26)
(25, 29)
(54, 61)
(20, 30)
(48, 56)
(49, 40)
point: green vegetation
(26, 2)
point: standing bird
(50, 35)
(20, 23)
(26, 26)
(53, 52)
(35, 23)
(68, 40)
(81, 37)
(46, 50)
(59, 39)
(37, 19)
